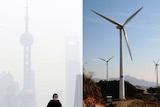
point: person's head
(55, 96)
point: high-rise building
(28, 93)
(73, 72)
(9, 90)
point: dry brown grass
(135, 103)
(92, 96)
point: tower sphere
(26, 39)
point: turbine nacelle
(156, 64)
(119, 27)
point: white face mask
(55, 99)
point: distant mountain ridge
(132, 80)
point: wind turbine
(121, 29)
(106, 65)
(156, 69)
(84, 69)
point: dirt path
(128, 103)
(135, 103)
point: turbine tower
(156, 70)
(107, 61)
(28, 93)
(121, 29)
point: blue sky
(101, 38)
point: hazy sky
(50, 22)
(101, 38)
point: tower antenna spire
(28, 91)
(26, 18)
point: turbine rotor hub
(119, 27)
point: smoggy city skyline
(48, 50)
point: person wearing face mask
(55, 102)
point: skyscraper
(9, 90)
(73, 71)
(28, 93)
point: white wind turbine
(121, 29)
(156, 70)
(106, 66)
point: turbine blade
(129, 19)
(157, 61)
(110, 20)
(102, 59)
(109, 59)
(126, 38)
(154, 62)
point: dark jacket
(53, 103)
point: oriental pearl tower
(27, 94)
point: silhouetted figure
(55, 102)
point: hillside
(139, 82)
(135, 103)
(94, 94)
(91, 93)
(112, 88)
(132, 80)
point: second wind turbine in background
(121, 29)
(156, 70)
(106, 66)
